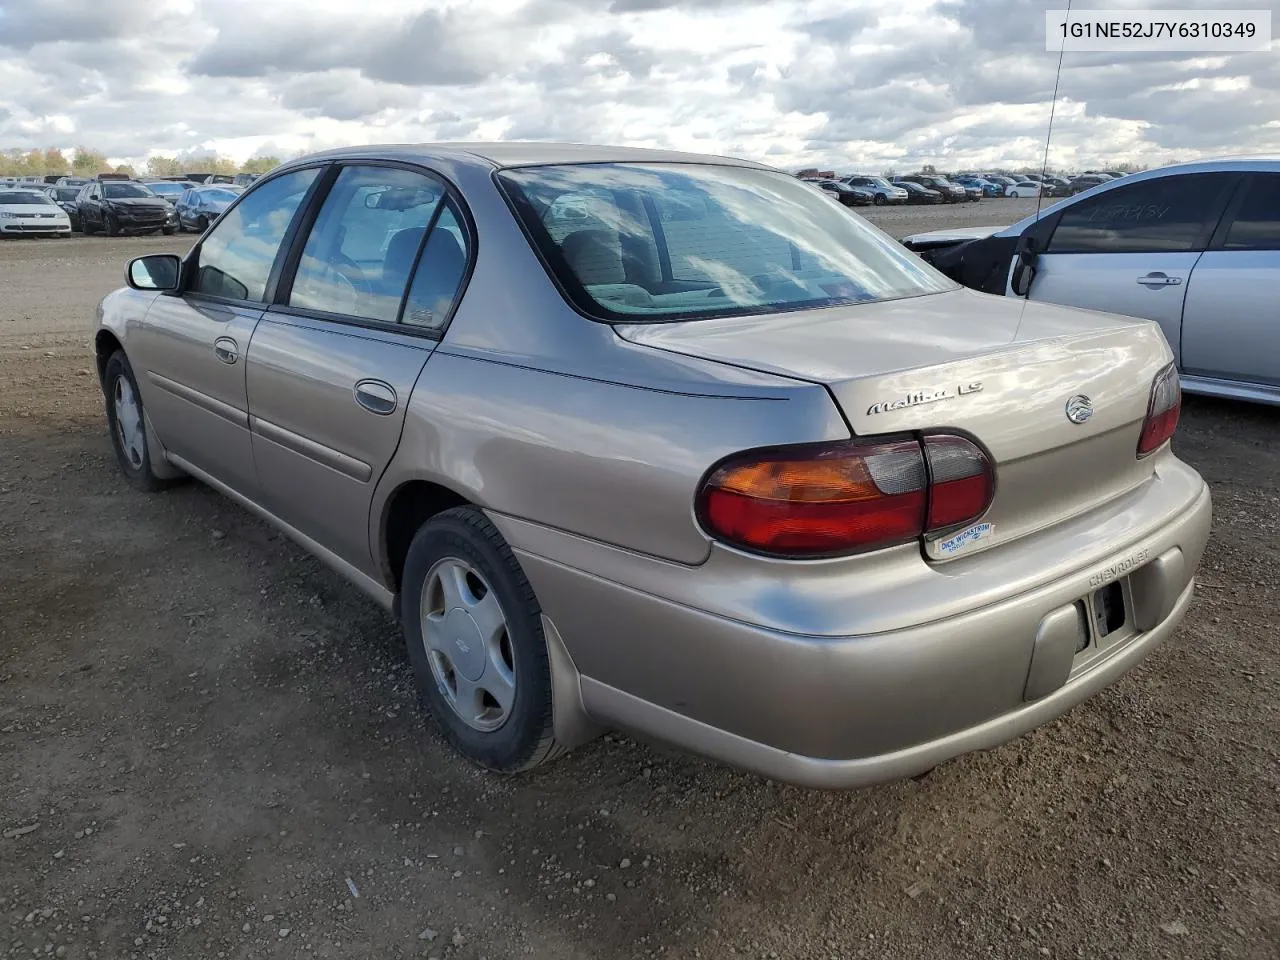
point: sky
(864, 85)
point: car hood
(143, 202)
(958, 235)
(30, 208)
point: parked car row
(966, 186)
(116, 205)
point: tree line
(87, 162)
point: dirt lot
(209, 747)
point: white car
(1019, 190)
(30, 212)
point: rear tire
(127, 422)
(470, 579)
(87, 228)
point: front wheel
(168, 231)
(881, 199)
(202, 224)
(474, 633)
(112, 225)
(127, 422)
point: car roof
(521, 153)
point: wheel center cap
(465, 646)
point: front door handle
(376, 396)
(1157, 279)
(226, 350)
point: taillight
(1162, 411)
(846, 497)
(961, 481)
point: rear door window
(1256, 225)
(1164, 215)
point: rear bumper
(784, 688)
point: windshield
(67, 194)
(116, 191)
(656, 242)
(167, 189)
(24, 198)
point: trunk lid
(999, 369)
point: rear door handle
(226, 350)
(1158, 278)
(376, 396)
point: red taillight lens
(962, 483)
(818, 501)
(1163, 411)
(848, 497)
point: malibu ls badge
(917, 397)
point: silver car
(1194, 247)
(668, 443)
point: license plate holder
(1109, 610)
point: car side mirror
(1024, 266)
(159, 271)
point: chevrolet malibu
(669, 443)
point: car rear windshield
(24, 197)
(67, 194)
(117, 191)
(660, 242)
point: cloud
(794, 82)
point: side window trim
(417, 256)
(191, 262)
(1236, 203)
(289, 267)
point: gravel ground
(209, 747)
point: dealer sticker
(958, 543)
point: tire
(881, 199)
(111, 225)
(130, 443)
(168, 231)
(463, 543)
(202, 224)
(87, 228)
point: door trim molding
(377, 591)
(346, 465)
(205, 402)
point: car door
(1231, 320)
(189, 349)
(1131, 250)
(334, 360)
(88, 205)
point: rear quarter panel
(606, 459)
